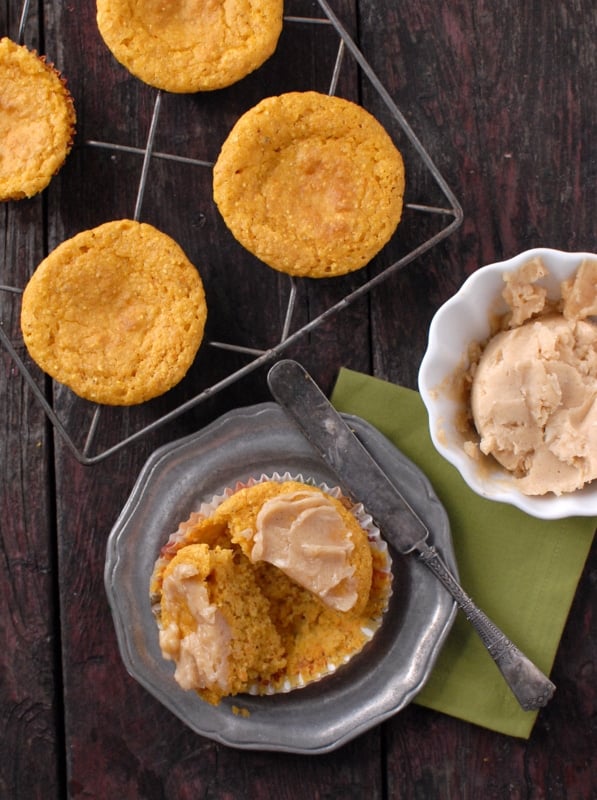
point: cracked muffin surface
(309, 183)
(116, 313)
(186, 46)
(37, 121)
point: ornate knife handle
(531, 687)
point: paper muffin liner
(381, 582)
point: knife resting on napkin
(522, 570)
(365, 480)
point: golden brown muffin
(116, 313)
(308, 534)
(315, 563)
(215, 623)
(310, 184)
(37, 121)
(190, 45)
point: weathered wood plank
(30, 694)
(498, 94)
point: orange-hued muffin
(312, 185)
(306, 583)
(37, 121)
(190, 45)
(116, 313)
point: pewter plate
(374, 685)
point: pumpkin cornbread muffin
(37, 121)
(208, 597)
(190, 45)
(310, 184)
(321, 577)
(312, 537)
(116, 313)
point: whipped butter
(302, 534)
(534, 389)
(201, 655)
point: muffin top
(308, 534)
(190, 45)
(37, 121)
(116, 313)
(310, 184)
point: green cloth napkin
(521, 571)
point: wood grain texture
(500, 92)
(501, 95)
(30, 687)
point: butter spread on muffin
(303, 535)
(310, 562)
(310, 536)
(312, 185)
(37, 121)
(208, 596)
(116, 313)
(190, 45)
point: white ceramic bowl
(461, 321)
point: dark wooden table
(502, 96)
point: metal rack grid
(450, 213)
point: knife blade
(360, 475)
(363, 480)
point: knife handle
(530, 686)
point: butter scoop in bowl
(509, 380)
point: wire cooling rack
(448, 212)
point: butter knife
(361, 477)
